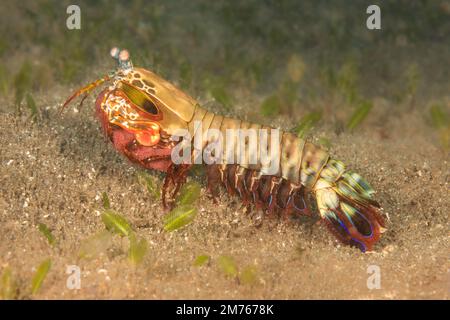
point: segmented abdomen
(303, 171)
(243, 170)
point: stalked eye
(139, 98)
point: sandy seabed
(55, 171)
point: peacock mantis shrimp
(148, 119)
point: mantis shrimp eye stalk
(123, 58)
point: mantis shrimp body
(143, 115)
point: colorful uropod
(143, 115)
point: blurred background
(286, 57)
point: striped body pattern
(142, 114)
(304, 169)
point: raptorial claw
(175, 177)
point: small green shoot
(412, 80)
(359, 115)
(439, 118)
(445, 138)
(270, 106)
(138, 249)
(201, 260)
(441, 121)
(31, 104)
(307, 123)
(179, 217)
(115, 223)
(47, 233)
(346, 81)
(228, 266)
(150, 183)
(4, 80)
(96, 244)
(22, 82)
(248, 275)
(40, 275)
(189, 193)
(8, 285)
(105, 201)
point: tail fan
(346, 206)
